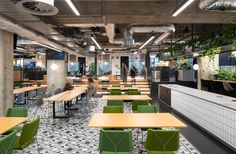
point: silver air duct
(218, 5)
(128, 34)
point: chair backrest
(118, 92)
(39, 92)
(20, 98)
(114, 103)
(162, 140)
(112, 109)
(128, 85)
(39, 100)
(115, 140)
(7, 143)
(133, 93)
(136, 103)
(227, 86)
(17, 112)
(146, 109)
(115, 85)
(29, 132)
(58, 90)
(132, 89)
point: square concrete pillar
(6, 71)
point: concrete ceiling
(108, 19)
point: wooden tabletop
(135, 120)
(68, 95)
(126, 88)
(26, 89)
(126, 97)
(137, 83)
(229, 81)
(7, 123)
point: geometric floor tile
(71, 135)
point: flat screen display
(51, 54)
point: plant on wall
(225, 75)
(209, 43)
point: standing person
(133, 73)
(124, 73)
(91, 86)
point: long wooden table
(7, 123)
(66, 97)
(135, 120)
(126, 88)
(136, 83)
(126, 97)
(27, 89)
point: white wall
(56, 78)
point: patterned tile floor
(71, 136)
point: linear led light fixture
(159, 39)
(144, 44)
(47, 46)
(135, 52)
(103, 53)
(181, 7)
(73, 8)
(99, 47)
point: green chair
(115, 141)
(17, 112)
(28, 134)
(162, 141)
(115, 85)
(146, 109)
(118, 92)
(132, 89)
(115, 89)
(114, 103)
(7, 142)
(136, 103)
(128, 85)
(133, 93)
(112, 109)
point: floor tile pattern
(71, 136)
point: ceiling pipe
(9, 25)
(205, 3)
(128, 33)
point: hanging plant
(211, 53)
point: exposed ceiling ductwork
(218, 5)
(9, 25)
(130, 30)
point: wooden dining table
(27, 89)
(66, 97)
(126, 97)
(135, 120)
(127, 88)
(7, 123)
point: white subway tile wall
(217, 119)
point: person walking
(124, 73)
(133, 73)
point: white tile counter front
(214, 112)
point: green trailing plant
(209, 43)
(212, 52)
(224, 75)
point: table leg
(53, 110)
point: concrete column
(56, 75)
(6, 71)
(199, 76)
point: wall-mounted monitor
(55, 55)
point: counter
(214, 112)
